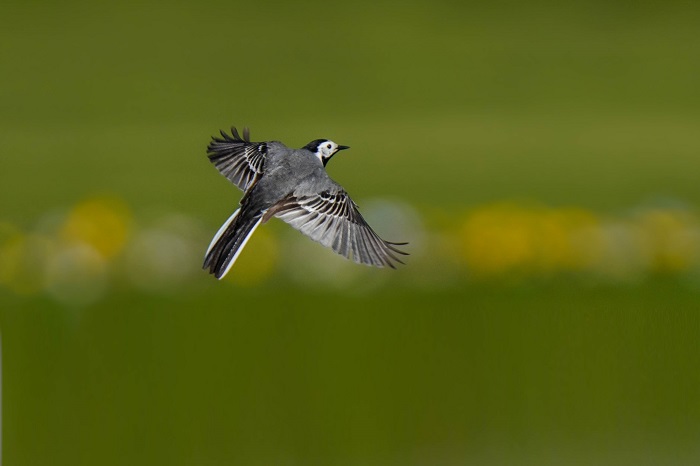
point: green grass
(521, 376)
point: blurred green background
(541, 157)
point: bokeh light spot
(166, 256)
(257, 261)
(102, 222)
(76, 275)
(23, 259)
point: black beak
(343, 147)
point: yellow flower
(673, 237)
(511, 238)
(103, 223)
(256, 262)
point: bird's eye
(328, 146)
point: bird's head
(324, 149)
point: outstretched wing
(332, 219)
(238, 159)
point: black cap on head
(313, 145)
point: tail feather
(229, 242)
(219, 233)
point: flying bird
(292, 185)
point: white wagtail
(290, 184)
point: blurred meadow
(541, 158)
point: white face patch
(326, 150)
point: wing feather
(238, 159)
(333, 219)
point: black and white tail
(229, 242)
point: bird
(292, 185)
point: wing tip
(235, 136)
